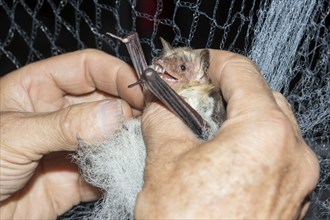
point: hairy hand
(256, 167)
(45, 107)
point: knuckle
(280, 99)
(89, 54)
(283, 128)
(89, 51)
(66, 122)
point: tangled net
(289, 40)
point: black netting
(289, 40)
(33, 31)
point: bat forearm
(174, 102)
(159, 88)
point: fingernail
(110, 116)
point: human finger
(76, 73)
(256, 114)
(242, 85)
(286, 109)
(42, 133)
(308, 157)
(165, 135)
(64, 181)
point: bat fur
(116, 165)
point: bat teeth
(159, 69)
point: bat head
(182, 66)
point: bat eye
(183, 67)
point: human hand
(256, 167)
(45, 107)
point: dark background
(35, 30)
(22, 40)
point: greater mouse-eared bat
(178, 72)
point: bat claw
(135, 84)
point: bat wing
(160, 89)
(174, 102)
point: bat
(179, 74)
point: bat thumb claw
(134, 84)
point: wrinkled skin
(45, 107)
(257, 166)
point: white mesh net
(116, 167)
(289, 40)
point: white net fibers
(289, 40)
(116, 167)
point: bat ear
(166, 45)
(205, 59)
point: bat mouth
(164, 74)
(168, 77)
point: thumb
(41, 133)
(165, 135)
